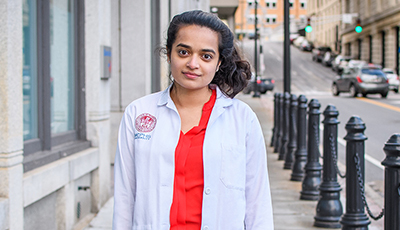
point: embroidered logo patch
(145, 122)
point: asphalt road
(381, 116)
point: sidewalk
(290, 213)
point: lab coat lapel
(220, 105)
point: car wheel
(364, 95)
(353, 91)
(384, 94)
(335, 90)
(396, 90)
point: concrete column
(391, 48)
(11, 136)
(65, 207)
(97, 34)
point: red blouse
(189, 181)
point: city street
(314, 80)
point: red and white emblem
(145, 122)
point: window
(270, 18)
(53, 105)
(291, 4)
(271, 4)
(303, 19)
(303, 4)
(29, 72)
(250, 18)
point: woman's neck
(190, 98)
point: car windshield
(368, 71)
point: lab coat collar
(221, 102)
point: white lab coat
(236, 185)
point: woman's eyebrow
(188, 47)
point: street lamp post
(286, 64)
(256, 91)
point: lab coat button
(205, 228)
(208, 191)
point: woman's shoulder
(241, 109)
(239, 104)
(147, 101)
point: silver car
(368, 79)
(393, 79)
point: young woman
(192, 157)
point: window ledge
(38, 159)
(44, 180)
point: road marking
(397, 109)
(366, 156)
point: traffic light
(358, 28)
(308, 28)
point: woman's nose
(193, 62)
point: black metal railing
(295, 137)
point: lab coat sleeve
(258, 196)
(124, 175)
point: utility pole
(256, 91)
(286, 49)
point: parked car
(252, 36)
(263, 85)
(393, 79)
(328, 58)
(353, 63)
(336, 64)
(298, 41)
(319, 52)
(306, 45)
(292, 37)
(368, 79)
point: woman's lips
(191, 75)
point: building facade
(269, 16)
(378, 41)
(68, 68)
(225, 9)
(326, 21)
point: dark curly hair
(234, 72)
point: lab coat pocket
(233, 166)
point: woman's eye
(183, 52)
(207, 56)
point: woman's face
(194, 57)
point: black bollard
(273, 136)
(329, 208)
(300, 158)
(292, 145)
(279, 121)
(392, 182)
(355, 217)
(285, 126)
(312, 178)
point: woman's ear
(168, 56)
(219, 64)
